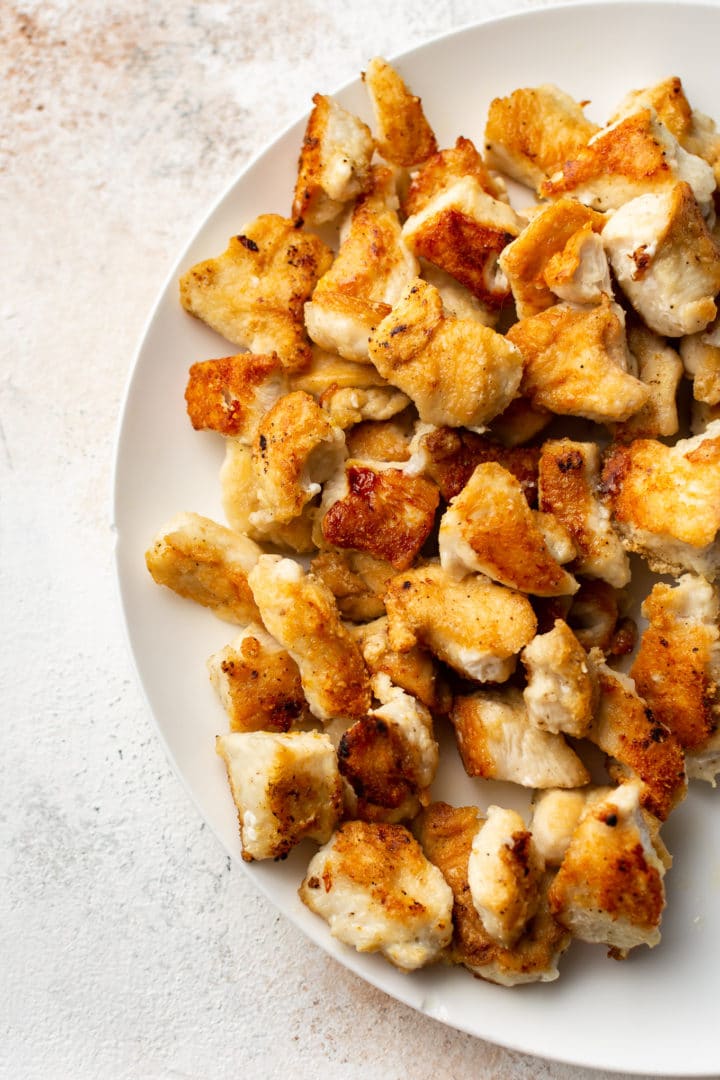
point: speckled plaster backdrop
(131, 947)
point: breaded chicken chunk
(356, 580)
(334, 165)
(505, 875)
(207, 563)
(286, 788)
(381, 440)
(231, 395)
(529, 134)
(568, 485)
(258, 682)
(415, 670)
(665, 501)
(700, 355)
(562, 691)
(379, 893)
(665, 260)
(456, 371)
(490, 529)
(660, 368)
(555, 815)
(254, 294)
(449, 456)
(442, 170)
(576, 362)
(348, 406)
(475, 626)
(497, 741)
(609, 887)
(462, 230)
(301, 614)
(404, 137)
(446, 834)
(677, 668)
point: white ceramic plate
(655, 1013)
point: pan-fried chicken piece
(626, 729)
(519, 423)
(634, 156)
(576, 362)
(286, 788)
(231, 395)
(562, 691)
(327, 369)
(490, 529)
(666, 501)
(462, 230)
(301, 614)
(665, 260)
(334, 163)
(356, 580)
(704, 764)
(475, 626)
(379, 509)
(701, 359)
(348, 406)
(458, 299)
(442, 170)
(497, 741)
(207, 563)
(539, 259)
(555, 815)
(580, 273)
(702, 415)
(446, 834)
(415, 670)
(660, 368)
(595, 616)
(456, 371)
(568, 486)
(677, 668)
(297, 448)
(505, 874)
(258, 682)
(609, 887)
(381, 440)
(529, 134)
(449, 456)
(404, 137)
(379, 893)
(369, 274)
(254, 293)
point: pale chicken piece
(381, 440)
(704, 764)
(286, 788)
(231, 395)
(700, 355)
(568, 487)
(562, 690)
(609, 887)
(415, 671)
(371, 269)
(334, 165)
(258, 682)
(529, 134)
(446, 834)
(403, 134)
(497, 741)
(626, 729)
(356, 580)
(555, 816)
(557, 538)
(580, 273)
(254, 294)
(297, 448)
(634, 156)
(206, 562)
(327, 369)
(449, 456)
(490, 529)
(348, 406)
(665, 260)
(475, 626)
(677, 668)
(457, 299)
(542, 244)
(378, 893)
(456, 371)
(505, 875)
(576, 362)
(462, 230)
(660, 368)
(444, 168)
(665, 501)
(300, 613)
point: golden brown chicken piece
(348, 407)
(490, 529)
(529, 134)
(254, 293)
(301, 614)
(327, 369)
(381, 440)
(456, 371)
(446, 834)
(449, 456)
(404, 137)
(415, 670)
(562, 690)
(576, 362)
(555, 816)
(475, 626)
(334, 165)
(660, 368)
(232, 394)
(519, 423)
(701, 359)
(356, 580)
(666, 501)
(595, 616)
(442, 170)
(207, 563)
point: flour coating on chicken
(561, 691)
(443, 169)
(231, 395)
(415, 670)
(404, 136)
(701, 359)
(660, 368)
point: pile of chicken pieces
(445, 436)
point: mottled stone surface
(131, 947)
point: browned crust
(219, 392)
(455, 452)
(444, 167)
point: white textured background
(130, 946)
